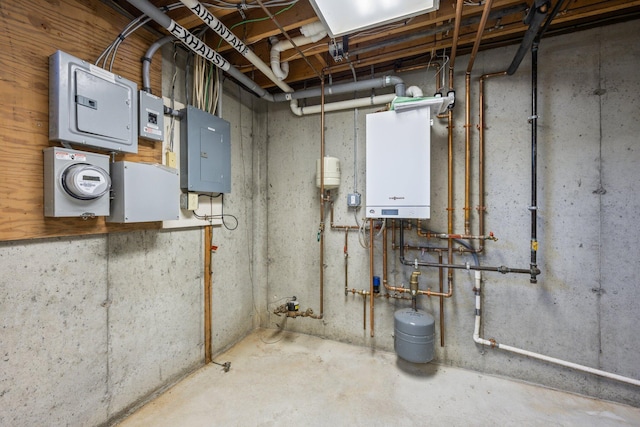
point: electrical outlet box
(189, 201)
(171, 160)
(353, 200)
(144, 192)
(205, 152)
(151, 117)
(91, 106)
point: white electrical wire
(111, 50)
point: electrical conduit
(197, 46)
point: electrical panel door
(91, 106)
(205, 152)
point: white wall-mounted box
(398, 156)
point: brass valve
(413, 283)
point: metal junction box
(151, 116)
(91, 106)
(205, 152)
(144, 192)
(76, 184)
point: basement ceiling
(395, 47)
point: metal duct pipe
(197, 46)
(534, 19)
(342, 105)
(338, 89)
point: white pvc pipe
(493, 344)
(342, 105)
(414, 92)
(311, 34)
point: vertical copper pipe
(467, 125)
(467, 153)
(384, 256)
(441, 281)
(481, 128)
(481, 26)
(371, 322)
(364, 311)
(346, 260)
(208, 233)
(449, 194)
(454, 42)
(321, 228)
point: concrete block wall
(582, 308)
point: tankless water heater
(398, 163)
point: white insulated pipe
(200, 48)
(342, 105)
(197, 45)
(207, 17)
(494, 344)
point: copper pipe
(441, 288)
(371, 321)
(481, 27)
(481, 127)
(364, 312)
(467, 115)
(208, 349)
(346, 260)
(322, 199)
(454, 41)
(467, 152)
(450, 194)
(384, 254)
(341, 227)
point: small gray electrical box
(353, 200)
(151, 117)
(205, 152)
(91, 106)
(144, 192)
(76, 184)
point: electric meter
(85, 182)
(76, 183)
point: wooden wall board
(32, 31)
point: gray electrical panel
(76, 184)
(205, 152)
(91, 106)
(151, 116)
(144, 192)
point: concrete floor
(278, 377)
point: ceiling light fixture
(346, 16)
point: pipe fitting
(413, 283)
